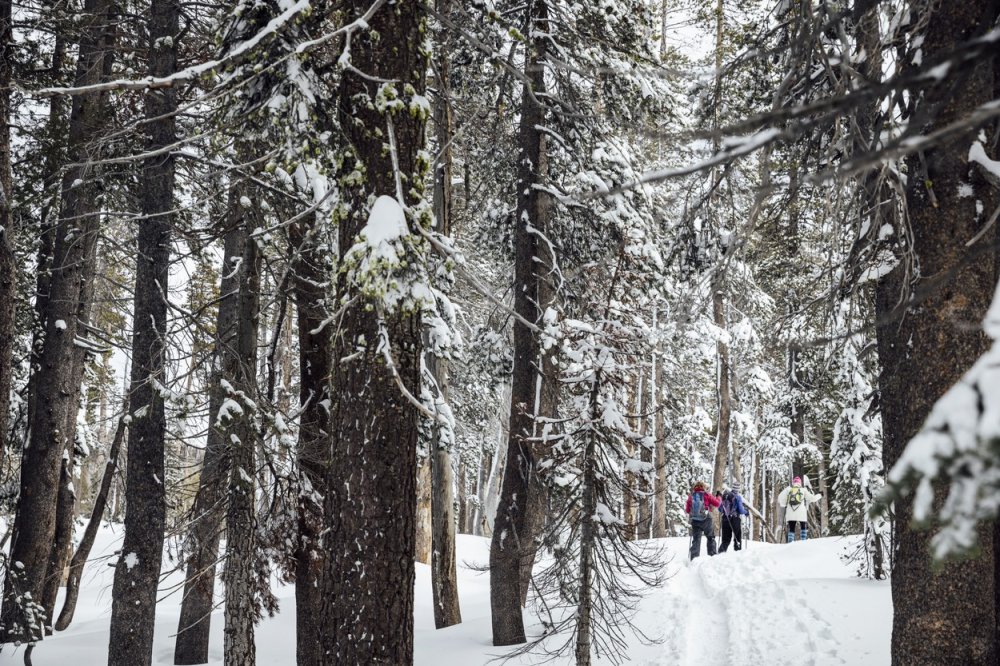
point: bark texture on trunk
(137, 574)
(58, 369)
(588, 536)
(62, 542)
(202, 543)
(239, 571)
(944, 614)
(8, 231)
(370, 485)
(512, 549)
(310, 276)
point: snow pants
(699, 528)
(803, 529)
(731, 531)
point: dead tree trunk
(90, 533)
(444, 575)
(422, 524)
(137, 574)
(370, 485)
(58, 372)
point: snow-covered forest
(430, 331)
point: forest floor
(770, 605)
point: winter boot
(791, 536)
(805, 534)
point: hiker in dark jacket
(730, 514)
(699, 503)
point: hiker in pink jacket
(699, 503)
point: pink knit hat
(797, 481)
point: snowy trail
(706, 632)
(770, 605)
(744, 608)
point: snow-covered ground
(768, 605)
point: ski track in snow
(739, 608)
(707, 631)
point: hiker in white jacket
(795, 500)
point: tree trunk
(58, 371)
(491, 494)
(62, 542)
(796, 406)
(422, 534)
(311, 273)
(444, 575)
(9, 269)
(629, 508)
(659, 432)
(545, 414)
(55, 136)
(588, 538)
(724, 395)
(759, 497)
(137, 574)
(646, 456)
(824, 504)
(943, 613)
(512, 549)
(239, 571)
(202, 543)
(370, 485)
(90, 533)
(466, 512)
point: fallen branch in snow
(763, 521)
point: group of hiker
(795, 500)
